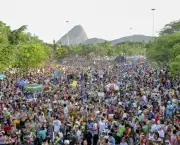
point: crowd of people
(91, 103)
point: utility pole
(153, 10)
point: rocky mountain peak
(76, 35)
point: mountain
(94, 41)
(134, 38)
(76, 35)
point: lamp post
(131, 35)
(67, 35)
(153, 10)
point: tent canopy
(57, 73)
(120, 59)
(22, 83)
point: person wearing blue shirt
(152, 115)
(111, 139)
(89, 125)
(169, 109)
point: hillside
(94, 41)
(134, 38)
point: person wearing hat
(66, 142)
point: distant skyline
(105, 19)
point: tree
(176, 50)
(14, 36)
(171, 28)
(110, 52)
(30, 56)
(21, 49)
(165, 50)
(174, 66)
(7, 56)
(160, 50)
(4, 30)
(62, 51)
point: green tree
(30, 56)
(21, 49)
(7, 56)
(160, 50)
(174, 66)
(62, 51)
(4, 31)
(171, 28)
(14, 36)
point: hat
(66, 142)
(120, 103)
(4, 109)
(140, 111)
(60, 134)
(169, 102)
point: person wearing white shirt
(65, 111)
(161, 133)
(151, 136)
(56, 125)
(155, 127)
(102, 126)
(79, 132)
(145, 99)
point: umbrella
(2, 76)
(50, 66)
(120, 59)
(34, 88)
(22, 83)
(57, 73)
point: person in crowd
(91, 103)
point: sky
(106, 19)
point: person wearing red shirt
(157, 116)
(7, 128)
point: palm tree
(14, 35)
